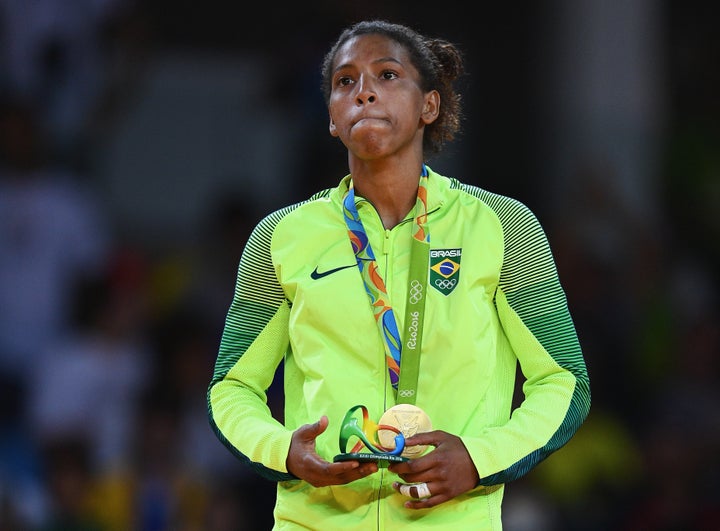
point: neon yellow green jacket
(505, 306)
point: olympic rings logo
(406, 393)
(446, 283)
(416, 292)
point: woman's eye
(388, 75)
(343, 81)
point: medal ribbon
(405, 381)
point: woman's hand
(447, 470)
(304, 462)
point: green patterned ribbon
(405, 381)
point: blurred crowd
(108, 333)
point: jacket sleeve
(253, 344)
(533, 311)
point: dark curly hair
(438, 62)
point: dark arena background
(141, 140)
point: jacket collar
(437, 188)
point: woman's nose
(366, 91)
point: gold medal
(410, 420)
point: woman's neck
(392, 190)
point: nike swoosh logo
(315, 275)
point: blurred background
(141, 140)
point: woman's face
(376, 105)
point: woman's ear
(332, 128)
(431, 107)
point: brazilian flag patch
(445, 269)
